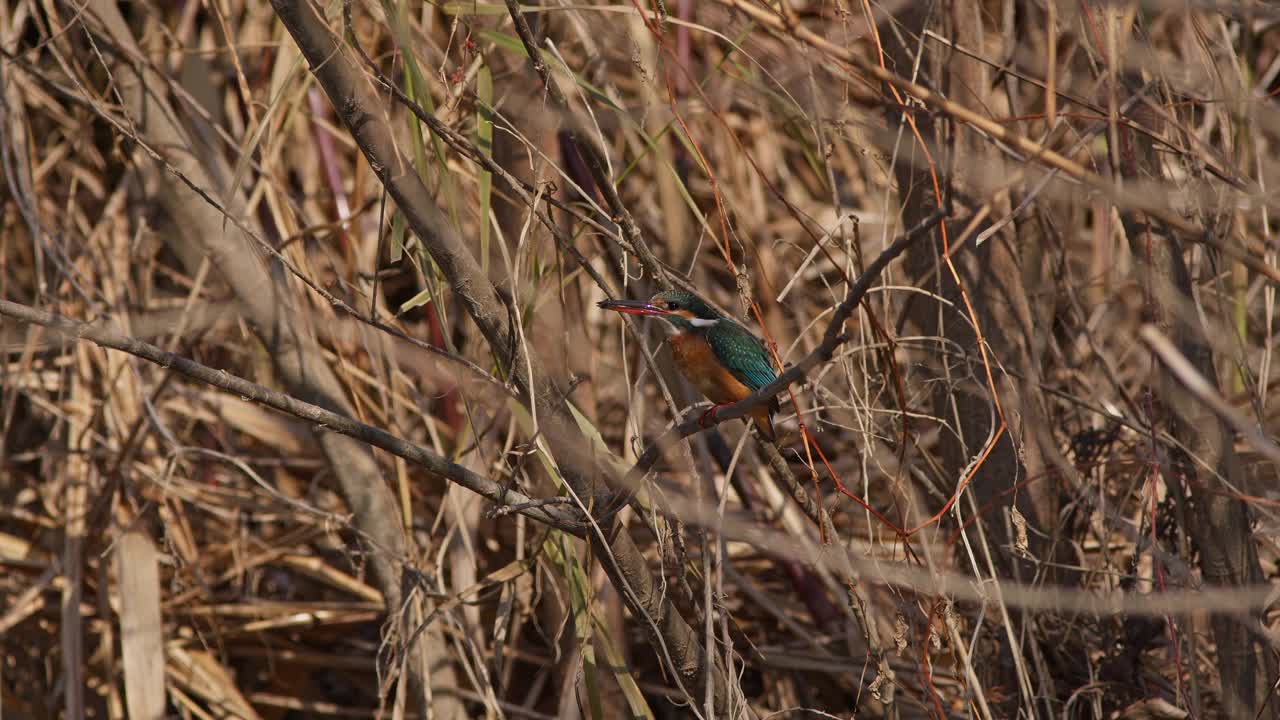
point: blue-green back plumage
(741, 352)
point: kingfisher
(721, 358)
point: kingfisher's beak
(633, 307)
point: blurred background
(1030, 473)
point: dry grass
(1033, 475)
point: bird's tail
(764, 421)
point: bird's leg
(710, 413)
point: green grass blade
(419, 91)
(396, 241)
(512, 43)
(484, 139)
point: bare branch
(545, 512)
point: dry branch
(671, 636)
(323, 419)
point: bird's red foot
(710, 414)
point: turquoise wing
(742, 353)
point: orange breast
(696, 360)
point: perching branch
(833, 338)
(548, 514)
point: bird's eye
(672, 306)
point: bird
(719, 357)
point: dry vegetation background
(1029, 466)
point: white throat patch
(702, 322)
